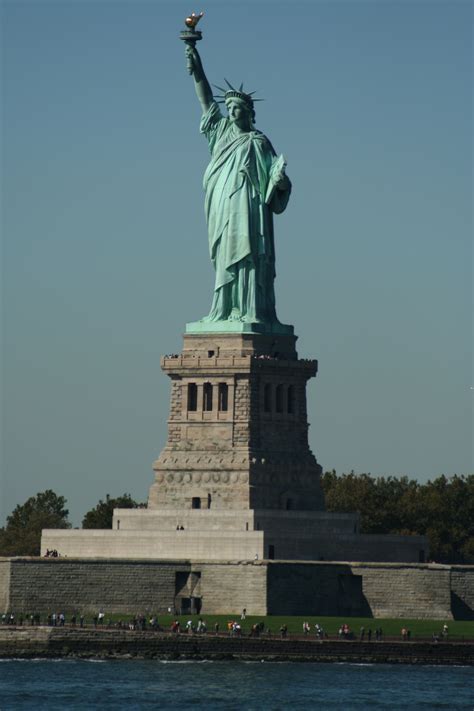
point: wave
(52, 660)
(184, 661)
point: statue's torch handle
(189, 63)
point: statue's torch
(191, 35)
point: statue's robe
(239, 209)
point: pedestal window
(290, 403)
(279, 393)
(207, 397)
(223, 397)
(192, 397)
(267, 397)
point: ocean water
(71, 684)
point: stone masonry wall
(321, 589)
(462, 591)
(278, 588)
(176, 399)
(379, 590)
(231, 587)
(4, 584)
(280, 431)
(412, 591)
(55, 642)
(145, 545)
(174, 427)
(131, 587)
(241, 412)
(45, 585)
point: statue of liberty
(245, 184)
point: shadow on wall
(331, 591)
(460, 609)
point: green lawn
(391, 627)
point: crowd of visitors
(141, 622)
(345, 632)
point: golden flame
(193, 19)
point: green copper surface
(207, 326)
(245, 184)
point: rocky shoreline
(50, 642)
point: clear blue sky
(105, 246)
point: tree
(22, 533)
(442, 509)
(101, 516)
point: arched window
(207, 397)
(192, 397)
(267, 397)
(279, 398)
(223, 397)
(290, 404)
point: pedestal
(238, 429)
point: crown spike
(241, 87)
(229, 85)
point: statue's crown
(233, 93)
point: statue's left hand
(281, 181)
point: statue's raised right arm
(202, 86)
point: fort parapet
(73, 585)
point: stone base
(208, 346)
(205, 327)
(234, 535)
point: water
(74, 684)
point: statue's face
(238, 113)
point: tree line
(441, 509)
